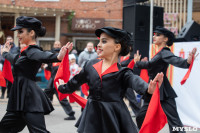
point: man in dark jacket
(88, 54)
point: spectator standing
(88, 54)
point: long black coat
(25, 94)
(105, 111)
(159, 63)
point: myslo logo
(184, 128)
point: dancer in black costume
(105, 111)
(28, 104)
(159, 63)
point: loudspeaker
(136, 20)
(190, 32)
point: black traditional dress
(105, 111)
(159, 63)
(27, 103)
(25, 94)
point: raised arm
(143, 64)
(135, 82)
(48, 57)
(9, 56)
(73, 84)
(170, 58)
(139, 85)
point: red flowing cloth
(7, 71)
(2, 80)
(188, 72)
(47, 74)
(144, 75)
(85, 89)
(64, 74)
(155, 118)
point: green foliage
(69, 18)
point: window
(92, 0)
(46, 43)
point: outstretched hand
(64, 49)
(6, 47)
(137, 56)
(152, 85)
(191, 54)
(60, 82)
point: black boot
(70, 118)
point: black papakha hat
(27, 22)
(119, 34)
(166, 33)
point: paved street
(55, 121)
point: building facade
(65, 20)
(76, 20)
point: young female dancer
(106, 111)
(28, 104)
(159, 63)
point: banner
(188, 94)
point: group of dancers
(105, 111)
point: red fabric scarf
(188, 72)
(144, 75)
(2, 80)
(64, 74)
(85, 89)
(47, 74)
(155, 118)
(7, 71)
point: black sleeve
(170, 58)
(74, 84)
(42, 56)
(135, 82)
(10, 57)
(142, 64)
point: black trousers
(130, 95)
(14, 122)
(169, 107)
(3, 89)
(64, 103)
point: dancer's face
(107, 46)
(24, 36)
(159, 39)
